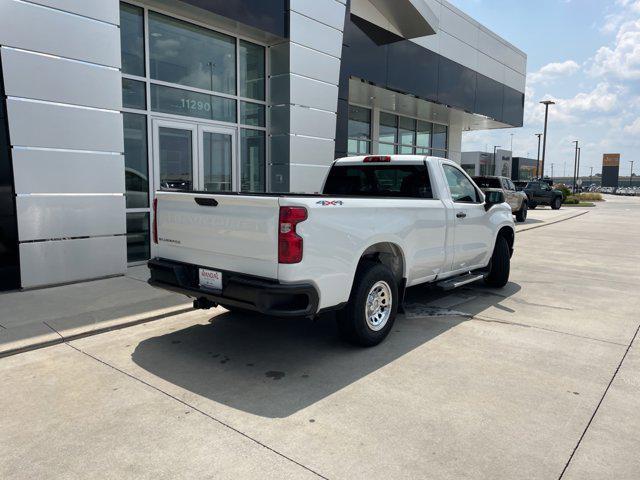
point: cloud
(633, 128)
(553, 71)
(621, 60)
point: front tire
(369, 316)
(500, 265)
(521, 215)
(532, 206)
(556, 204)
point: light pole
(495, 149)
(546, 104)
(631, 174)
(591, 176)
(538, 159)
(512, 144)
(575, 165)
(552, 171)
(578, 170)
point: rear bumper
(238, 290)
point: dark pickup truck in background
(541, 193)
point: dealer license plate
(210, 279)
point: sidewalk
(37, 318)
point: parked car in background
(541, 193)
(517, 200)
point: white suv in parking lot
(382, 224)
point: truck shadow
(276, 367)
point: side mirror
(493, 197)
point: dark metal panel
(456, 85)
(9, 257)
(513, 109)
(269, 15)
(413, 69)
(489, 98)
(611, 176)
(365, 57)
(342, 130)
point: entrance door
(192, 156)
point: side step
(455, 282)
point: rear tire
(521, 215)
(556, 204)
(500, 265)
(369, 316)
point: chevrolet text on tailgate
(382, 224)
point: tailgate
(225, 232)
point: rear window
(486, 182)
(403, 181)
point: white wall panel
(54, 171)
(313, 93)
(41, 29)
(314, 123)
(43, 217)
(67, 81)
(35, 124)
(305, 178)
(491, 68)
(458, 51)
(458, 26)
(311, 151)
(49, 263)
(314, 64)
(104, 10)
(329, 12)
(316, 35)
(514, 80)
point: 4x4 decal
(330, 203)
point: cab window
(399, 181)
(461, 188)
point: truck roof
(382, 159)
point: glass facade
(397, 134)
(180, 70)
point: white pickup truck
(382, 224)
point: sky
(582, 54)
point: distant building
(484, 163)
(523, 168)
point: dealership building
(102, 103)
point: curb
(63, 336)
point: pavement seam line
(550, 223)
(186, 404)
(488, 319)
(599, 403)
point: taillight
(155, 220)
(289, 242)
(377, 159)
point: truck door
(472, 234)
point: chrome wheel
(378, 306)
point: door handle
(461, 215)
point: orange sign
(611, 160)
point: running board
(456, 282)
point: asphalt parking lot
(540, 380)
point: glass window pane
(252, 72)
(180, 52)
(135, 160)
(176, 158)
(386, 149)
(404, 181)
(405, 150)
(461, 188)
(253, 156)
(132, 39)
(192, 104)
(359, 147)
(359, 123)
(388, 128)
(138, 237)
(423, 136)
(439, 136)
(217, 151)
(252, 114)
(133, 94)
(407, 130)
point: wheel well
(388, 254)
(508, 235)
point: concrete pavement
(538, 380)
